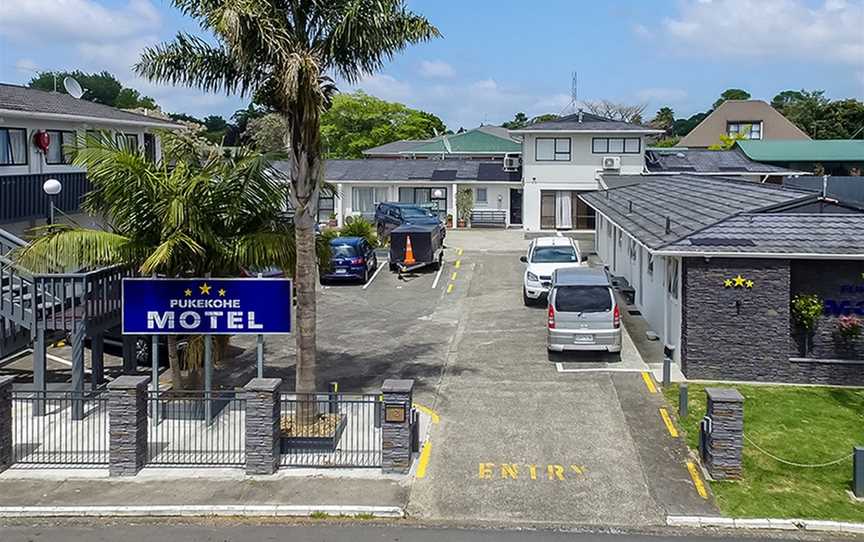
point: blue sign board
(250, 306)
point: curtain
(563, 210)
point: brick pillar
(396, 427)
(263, 431)
(6, 422)
(127, 425)
(725, 442)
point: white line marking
(375, 274)
(200, 510)
(437, 276)
(561, 369)
(64, 361)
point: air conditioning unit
(511, 163)
(611, 162)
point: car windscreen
(583, 299)
(415, 212)
(554, 255)
(343, 251)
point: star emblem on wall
(205, 289)
(738, 281)
(187, 292)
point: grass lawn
(802, 425)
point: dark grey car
(583, 313)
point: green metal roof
(799, 150)
(473, 141)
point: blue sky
(497, 57)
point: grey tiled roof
(589, 122)
(690, 202)
(18, 98)
(706, 161)
(779, 233)
(382, 169)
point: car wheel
(525, 299)
(365, 277)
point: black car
(389, 216)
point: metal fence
(196, 428)
(331, 430)
(60, 428)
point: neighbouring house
(482, 143)
(29, 115)
(566, 157)
(849, 189)
(715, 263)
(753, 119)
(819, 156)
(673, 160)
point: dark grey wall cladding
(839, 283)
(750, 340)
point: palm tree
(284, 52)
(199, 210)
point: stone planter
(324, 443)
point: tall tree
(520, 120)
(282, 51)
(101, 88)
(820, 117)
(664, 119)
(616, 111)
(731, 94)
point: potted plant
(849, 327)
(806, 310)
(464, 206)
(449, 221)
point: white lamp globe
(52, 187)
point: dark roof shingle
(589, 122)
(706, 161)
(382, 169)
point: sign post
(260, 351)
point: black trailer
(427, 243)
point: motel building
(715, 262)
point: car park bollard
(724, 442)
(396, 426)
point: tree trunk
(174, 363)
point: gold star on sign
(221, 292)
(727, 283)
(739, 281)
(187, 292)
(205, 289)
(749, 283)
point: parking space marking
(453, 276)
(458, 264)
(375, 274)
(697, 480)
(458, 251)
(437, 276)
(668, 421)
(450, 288)
(649, 382)
(561, 369)
(424, 459)
(429, 412)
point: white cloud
(830, 31)
(436, 69)
(667, 95)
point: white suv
(545, 255)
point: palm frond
(66, 247)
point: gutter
(87, 119)
(766, 255)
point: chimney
(580, 115)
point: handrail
(82, 275)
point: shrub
(849, 327)
(806, 310)
(360, 227)
(464, 203)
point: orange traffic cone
(409, 252)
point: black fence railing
(196, 428)
(331, 430)
(60, 428)
(22, 197)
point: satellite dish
(73, 87)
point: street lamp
(52, 187)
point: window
(326, 208)
(616, 145)
(562, 254)
(128, 141)
(60, 147)
(364, 199)
(150, 147)
(13, 147)
(749, 129)
(480, 195)
(552, 149)
(583, 299)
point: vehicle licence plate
(341, 271)
(583, 339)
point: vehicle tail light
(357, 261)
(616, 316)
(551, 322)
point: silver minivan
(583, 313)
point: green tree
(282, 53)
(241, 117)
(209, 212)
(731, 94)
(267, 134)
(786, 98)
(358, 121)
(129, 98)
(520, 120)
(682, 127)
(545, 117)
(820, 117)
(185, 118)
(101, 87)
(664, 119)
(728, 141)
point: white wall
(36, 160)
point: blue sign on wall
(250, 306)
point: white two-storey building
(565, 157)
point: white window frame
(559, 153)
(735, 126)
(26, 150)
(485, 199)
(603, 145)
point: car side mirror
(523, 259)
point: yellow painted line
(459, 253)
(453, 276)
(458, 264)
(697, 480)
(668, 421)
(424, 459)
(429, 412)
(649, 382)
(449, 287)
